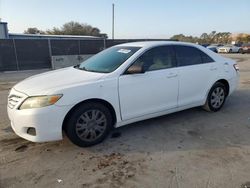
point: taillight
(236, 67)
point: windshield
(108, 60)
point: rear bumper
(246, 50)
(223, 50)
(47, 122)
(234, 83)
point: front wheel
(89, 124)
(216, 97)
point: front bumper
(46, 121)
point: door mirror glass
(135, 69)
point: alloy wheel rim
(91, 125)
(217, 97)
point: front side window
(157, 58)
(108, 60)
(187, 55)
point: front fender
(106, 90)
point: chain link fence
(28, 54)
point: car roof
(151, 44)
(148, 44)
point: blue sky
(134, 18)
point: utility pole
(113, 21)
(0, 10)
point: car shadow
(192, 129)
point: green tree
(243, 38)
(222, 37)
(213, 37)
(183, 38)
(76, 28)
(204, 38)
(179, 37)
(33, 30)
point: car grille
(13, 100)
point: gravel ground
(188, 149)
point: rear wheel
(89, 124)
(216, 97)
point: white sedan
(120, 85)
(229, 49)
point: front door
(153, 91)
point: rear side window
(188, 55)
(206, 58)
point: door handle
(171, 75)
(226, 67)
(213, 68)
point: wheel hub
(217, 97)
(91, 125)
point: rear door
(196, 72)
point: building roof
(43, 36)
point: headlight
(39, 101)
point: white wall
(68, 60)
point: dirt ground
(188, 149)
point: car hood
(55, 80)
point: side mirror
(135, 69)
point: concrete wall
(68, 60)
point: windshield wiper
(77, 66)
(80, 68)
(83, 68)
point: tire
(89, 124)
(230, 51)
(216, 97)
(240, 51)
